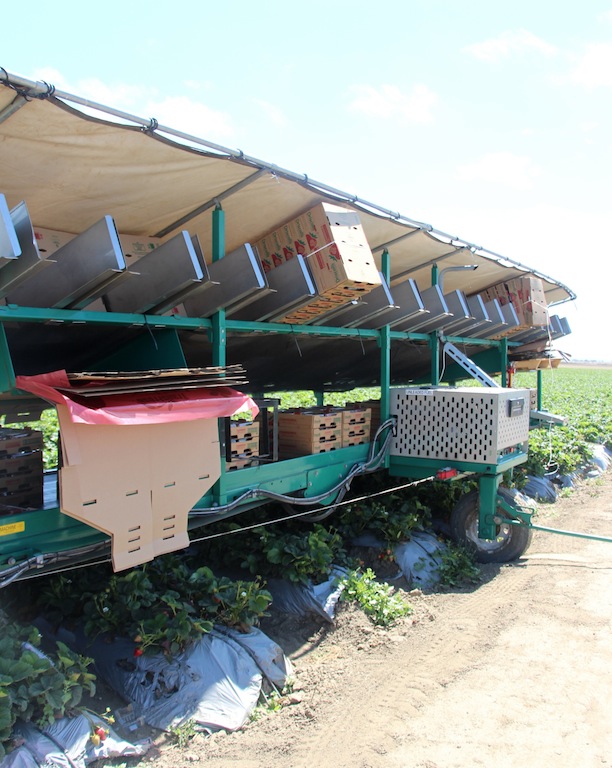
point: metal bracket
(468, 365)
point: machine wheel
(510, 542)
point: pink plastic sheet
(140, 407)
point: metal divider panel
(477, 308)
(376, 302)
(463, 318)
(565, 326)
(10, 248)
(510, 316)
(238, 279)
(82, 271)
(291, 287)
(160, 279)
(438, 313)
(497, 319)
(556, 329)
(17, 270)
(406, 296)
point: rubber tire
(512, 540)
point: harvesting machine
(153, 284)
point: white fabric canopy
(72, 168)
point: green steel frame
(48, 530)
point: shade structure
(76, 163)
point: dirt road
(515, 672)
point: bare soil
(516, 671)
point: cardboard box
(311, 431)
(338, 252)
(241, 429)
(527, 297)
(243, 444)
(334, 243)
(241, 464)
(29, 498)
(137, 483)
(356, 437)
(270, 251)
(356, 426)
(14, 441)
(17, 483)
(30, 463)
(241, 449)
(374, 407)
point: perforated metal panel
(473, 424)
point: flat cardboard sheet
(139, 407)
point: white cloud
(121, 96)
(274, 114)
(605, 16)
(594, 68)
(178, 112)
(389, 101)
(510, 43)
(190, 116)
(503, 168)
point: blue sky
(492, 121)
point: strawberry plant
(457, 566)
(302, 556)
(377, 599)
(36, 686)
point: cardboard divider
(137, 483)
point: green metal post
(539, 386)
(7, 374)
(385, 349)
(487, 485)
(320, 398)
(434, 346)
(503, 353)
(434, 341)
(219, 330)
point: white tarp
(72, 168)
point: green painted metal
(13, 313)
(523, 516)
(304, 330)
(157, 348)
(418, 468)
(434, 346)
(385, 372)
(487, 486)
(7, 373)
(503, 353)
(43, 531)
(539, 386)
(385, 353)
(576, 534)
(311, 475)
(219, 323)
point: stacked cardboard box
(526, 294)
(309, 431)
(356, 426)
(337, 253)
(374, 407)
(243, 446)
(21, 468)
